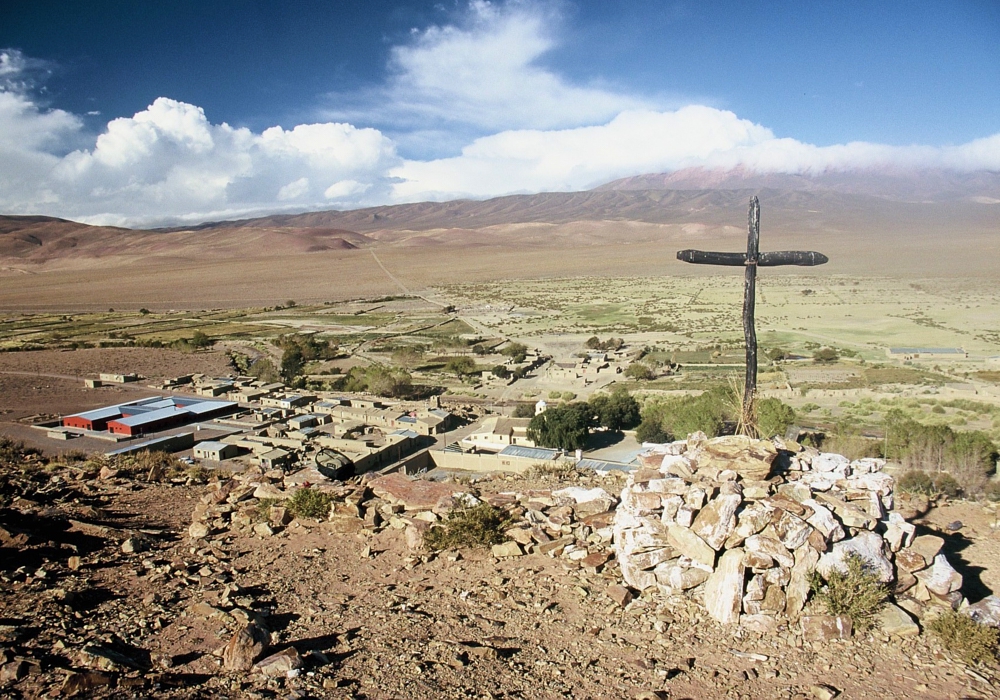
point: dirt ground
(376, 619)
(46, 384)
(154, 363)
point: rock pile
(741, 525)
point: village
(235, 422)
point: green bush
(916, 481)
(482, 525)
(945, 483)
(773, 417)
(858, 593)
(640, 371)
(651, 430)
(309, 503)
(616, 411)
(973, 642)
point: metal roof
(150, 416)
(99, 413)
(201, 407)
(927, 351)
(213, 445)
(600, 465)
(529, 452)
(405, 433)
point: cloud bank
(519, 126)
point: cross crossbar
(779, 257)
(751, 260)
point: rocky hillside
(137, 578)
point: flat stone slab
(415, 494)
(896, 622)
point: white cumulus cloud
(476, 90)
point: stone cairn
(740, 525)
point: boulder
(866, 545)
(986, 611)
(896, 622)
(281, 663)
(749, 458)
(724, 588)
(416, 494)
(691, 545)
(941, 578)
(716, 521)
(823, 628)
(243, 649)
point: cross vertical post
(751, 261)
(749, 304)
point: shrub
(640, 371)
(858, 593)
(916, 481)
(524, 410)
(944, 483)
(482, 525)
(309, 503)
(773, 417)
(651, 430)
(972, 641)
(825, 356)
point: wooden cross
(752, 260)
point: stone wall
(741, 525)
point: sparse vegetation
(856, 593)
(309, 503)
(481, 525)
(971, 641)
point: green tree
(651, 430)
(593, 342)
(563, 427)
(501, 372)
(616, 411)
(640, 371)
(292, 363)
(461, 366)
(200, 340)
(825, 356)
(516, 352)
(773, 417)
(524, 410)
(776, 354)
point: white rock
(820, 481)
(582, 495)
(941, 577)
(822, 519)
(268, 491)
(724, 588)
(866, 545)
(717, 520)
(677, 465)
(762, 544)
(867, 465)
(986, 611)
(830, 462)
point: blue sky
(142, 113)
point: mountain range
(693, 203)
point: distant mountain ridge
(925, 185)
(688, 204)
